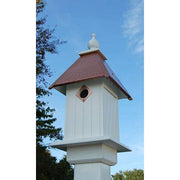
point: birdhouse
(91, 137)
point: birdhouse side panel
(110, 114)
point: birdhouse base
(92, 157)
(62, 145)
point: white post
(92, 171)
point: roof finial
(93, 43)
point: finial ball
(93, 35)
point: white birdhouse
(91, 125)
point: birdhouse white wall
(84, 119)
(96, 116)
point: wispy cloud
(133, 25)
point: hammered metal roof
(89, 66)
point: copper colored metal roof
(89, 66)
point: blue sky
(118, 26)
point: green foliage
(45, 163)
(118, 176)
(44, 121)
(136, 174)
(48, 169)
(64, 170)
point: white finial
(93, 43)
(93, 35)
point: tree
(118, 176)
(64, 170)
(46, 166)
(45, 43)
(49, 169)
(136, 174)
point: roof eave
(64, 84)
(126, 93)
